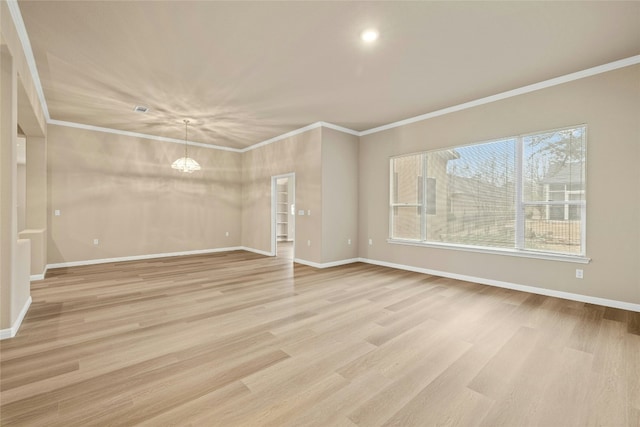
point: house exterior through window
(523, 193)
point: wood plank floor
(238, 339)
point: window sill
(495, 251)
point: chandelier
(186, 163)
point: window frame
(520, 205)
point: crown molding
(511, 93)
(139, 135)
(16, 16)
(283, 136)
(340, 128)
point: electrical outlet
(56, 212)
(226, 234)
(308, 242)
(370, 242)
(96, 241)
(309, 212)
(579, 273)
(348, 241)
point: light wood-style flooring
(238, 339)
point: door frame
(274, 206)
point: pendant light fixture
(186, 163)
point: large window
(524, 193)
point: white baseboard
(326, 264)
(141, 257)
(531, 289)
(13, 330)
(35, 277)
(257, 251)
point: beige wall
(8, 185)
(610, 105)
(339, 195)
(122, 191)
(36, 180)
(36, 203)
(22, 287)
(19, 106)
(299, 154)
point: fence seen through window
(524, 193)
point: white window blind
(524, 193)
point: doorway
(283, 224)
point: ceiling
(245, 72)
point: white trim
(13, 330)
(141, 257)
(26, 46)
(520, 223)
(511, 93)
(36, 277)
(340, 128)
(16, 16)
(494, 251)
(486, 100)
(283, 136)
(274, 209)
(507, 285)
(257, 251)
(200, 144)
(139, 135)
(326, 264)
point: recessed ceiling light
(369, 35)
(141, 109)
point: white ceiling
(245, 72)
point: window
(524, 194)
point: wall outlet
(309, 212)
(348, 241)
(579, 273)
(96, 241)
(56, 212)
(308, 242)
(226, 234)
(370, 242)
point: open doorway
(283, 225)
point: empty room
(323, 213)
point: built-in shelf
(282, 210)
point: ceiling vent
(141, 109)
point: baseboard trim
(13, 330)
(6, 333)
(141, 257)
(531, 289)
(256, 251)
(36, 277)
(326, 264)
